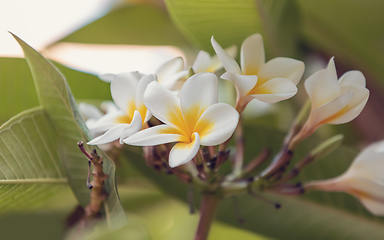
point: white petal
(107, 77)
(155, 136)
(369, 163)
(164, 105)
(89, 111)
(322, 88)
(352, 77)
(215, 61)
(243, 83)
(139, 94)
(332, 68)
(202, 62)
(110, 136)
(109, 106)
(275, 90)
(133, 127)
(217, 124)
(282, 67)
(370, 192)
(90, 122)
(169, 68)
(108, 121)
(148, 116)
(232, 51)
(374, 206)
(123, 89)
(228, 62)
(354, 107)
(182, 153)
(325, 113)
(252, 54)
(173, 79)
(198, 93)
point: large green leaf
(17, 92)
(232, 21)
(349, 30)
(56, 99)
(30, 170)
(139, 25)
(314, 216)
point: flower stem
(208, 208)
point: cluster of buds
(175, 115)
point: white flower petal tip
(182, 153)
(252, 55)
(205, 63)
(282, 67)
(110, 136)
(170, 72)
(331, 67)
(353, 77)
(217, 124)
(363, 179)
(133, 127)
(202, 62)
(228, 62)
(89, 111)
(275, 90)
(107, 77)
(331, 102)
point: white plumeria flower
(167, 74)
(170, 72)
(269, 82)
(335, 101)
(90, 113)
(192, 120)
(127, 91)
(205, 63)
(364, 179)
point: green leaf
(317, 215)
(17, 91)
(139, 25)
(232, 21)
(56, 99)
(30, 171)
(349, 30)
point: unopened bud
(327, 147)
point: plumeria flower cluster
(175, 115)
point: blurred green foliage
(232, 21)
(135, 25)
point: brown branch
(98, 193)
